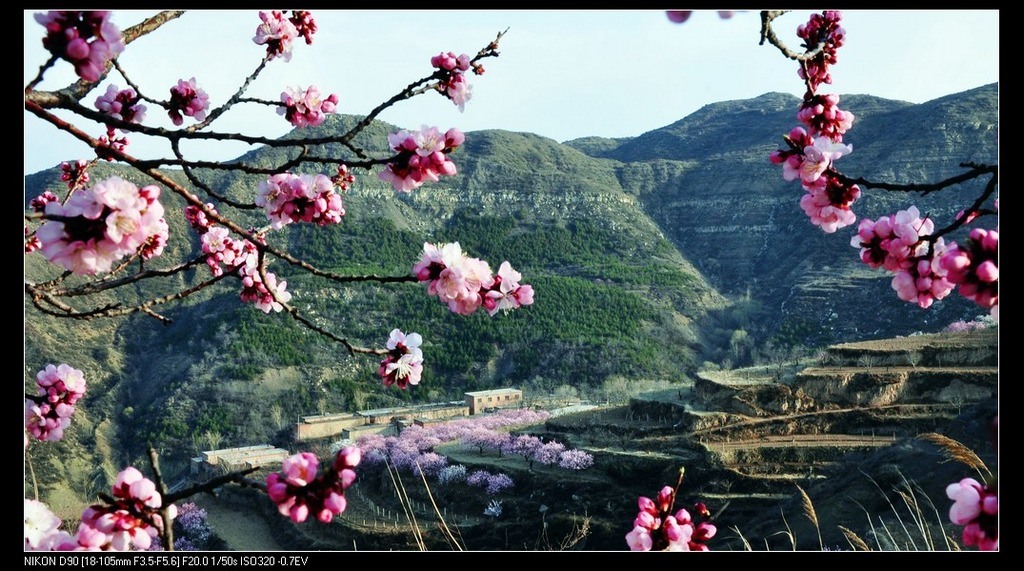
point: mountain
(707, 183)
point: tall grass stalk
(811, 514)
(443, 525)
(407, 507)
(959, 452)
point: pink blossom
(792, 158)
(197, 218)
(277, 33)
(924, 280)
(821, 30)
(301, 489)
(100, 225)
(75, 174)
(305, 25)
(32, 243)
(188, 98)
(41, 526)
(123, 105)
(506, 293)
(828, 201)
(48, 414)
(466, 283)
(656, 528)
(453, 83)
(110, 146)
(819, 157)
(403, 364)
(822, 115)
(300, 469)
(975, 267)
(976, 507)
(344, 179)
(255, 291)
(306, 108)
(458, 90)
(39, 203)
(894, 241)
(300, 198)
(130, 518)
(422, 156)
(89, 40)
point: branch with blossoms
(110, 231)
(139, 509)
(657, 528)
(925, 267)
(110, 234)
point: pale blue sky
(562, 74)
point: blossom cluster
(300, 198)
(974, 266)
(422, 156)
(41, 526)
(306, 107)
(824, 31)
(39, 203)
(656, 528)
(110, 145)
(121, 104)
(453, 84)
(278, 32)
(75, 174)
(129, 519)
(829, 197)
(896, 243)
(822, 115)
(344, 179)
(88, 40)
(100, 225)
(187, 98)
(976, 507)
(301, 489)
(49, 413)
(403, 364)
(267, 296)
(241, 256)
(466, 284)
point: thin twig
(167, 530)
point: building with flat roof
(481, 401)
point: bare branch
(212, 484)
(106, 284)
(976, 170)
(167, 531)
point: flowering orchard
(108, 234)
(907, 244)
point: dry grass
(956, 451)
(810, 513)
(855, 541)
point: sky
(562, 74)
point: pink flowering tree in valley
(103, 235)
